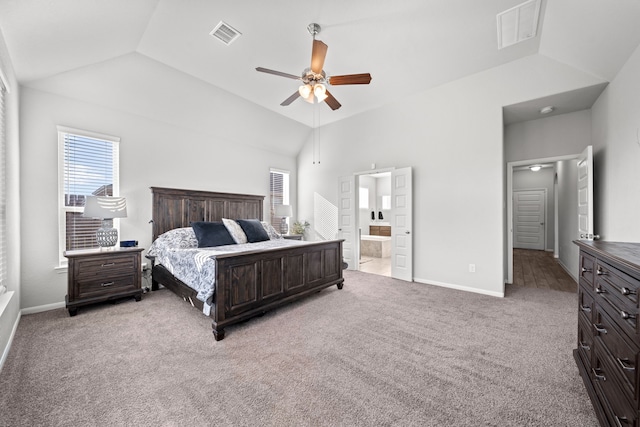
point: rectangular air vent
(518, 24)
(225, 33)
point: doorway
(567, 197)
(396, 223)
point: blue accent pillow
(254, 230)
(211, 234)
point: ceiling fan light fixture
(320, 92)
(304, 91)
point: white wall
(10, 302)
(452, 136)
(542, 179)
(616, 144)
(162, 144)
(555, 136)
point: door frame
(509, 203)
(357, 176)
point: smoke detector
(518, 24)
(546, 110)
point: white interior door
(347, 220)
(529, 208)
(585, 195)
(401, 224)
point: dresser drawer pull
(625, 364)
(600, 329)
(107, 284)
(109, 264)
(584, 346)
(597, 374)
(627, 291)
(599, 290)
(601, 272)
(626, 315)
(585, 308)
(586, 270)
(621, 420)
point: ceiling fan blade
(277, 73)
(350, 79)
(331, 101)
(318, 54)
(290, 99)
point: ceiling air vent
(225, 33)
(518, 24)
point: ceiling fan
(315, 79)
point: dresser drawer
(112, 266)
(587, 266)
(585, 342)
(623, 287)
(622, 355)
(585, 304)
(104, 286)
(618, 410)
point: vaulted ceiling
(407, 46)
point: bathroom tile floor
(379, 266)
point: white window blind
(88, 167)
(279, 193)
(3, 193)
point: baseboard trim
(460, 288)
(564, 267)
(5, 353)
(41, 308)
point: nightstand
(292, 236)
(101, 275)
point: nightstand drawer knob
(107, 284)
(109, 264)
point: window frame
(4, 248)
(286, 195)
(62, 209)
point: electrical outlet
(472, 268)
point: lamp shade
(105, 207)
(283, 210)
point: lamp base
(284, 227)
(107, 236)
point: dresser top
(624, 255)
(93, 252)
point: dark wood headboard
(173, 208)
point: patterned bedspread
(195, 266)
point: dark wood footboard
(251, 283)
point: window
(88, 165)
(364, 198)
(279, 194)
(3, 193)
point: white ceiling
(406, 45)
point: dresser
(608, 330)
(100, 275)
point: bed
(246, 283)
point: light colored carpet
(378, 352)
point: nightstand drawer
(104, 286)
(90, 268)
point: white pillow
(235, 230)
(273, 234)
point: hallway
(538, 269)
